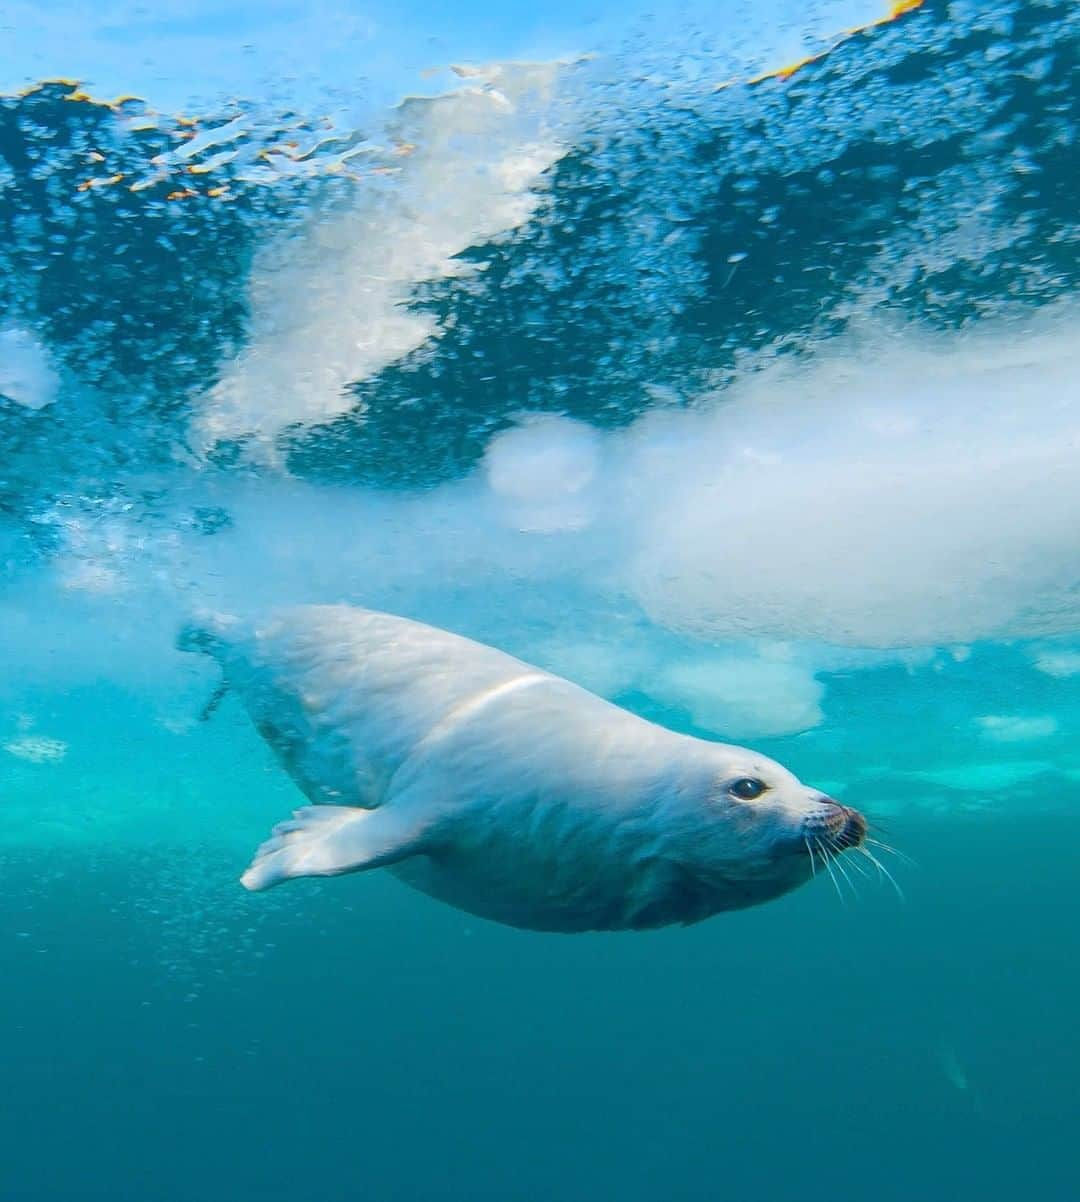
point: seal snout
(842, 826)
(853, 831)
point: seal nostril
(853, 831)
(841, 826)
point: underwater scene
(713, 371)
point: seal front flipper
(328, 840)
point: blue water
(754, 408)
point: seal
(501, 789)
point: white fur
(502, 789)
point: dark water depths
(362, 1042)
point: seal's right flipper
(328, 840)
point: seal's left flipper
(327, 840)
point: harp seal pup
(501, 789)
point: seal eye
(747, 789)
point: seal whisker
(813, 861)
(854, 864)
(883, 871)
(877, 827)
(826, 858)
(843, 871)
(877, 863)
(894, 851)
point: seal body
(502, 789)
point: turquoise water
(754, 408)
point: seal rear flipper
(328, 840)
(214, 700)
(207, 632)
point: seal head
(755, 834)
